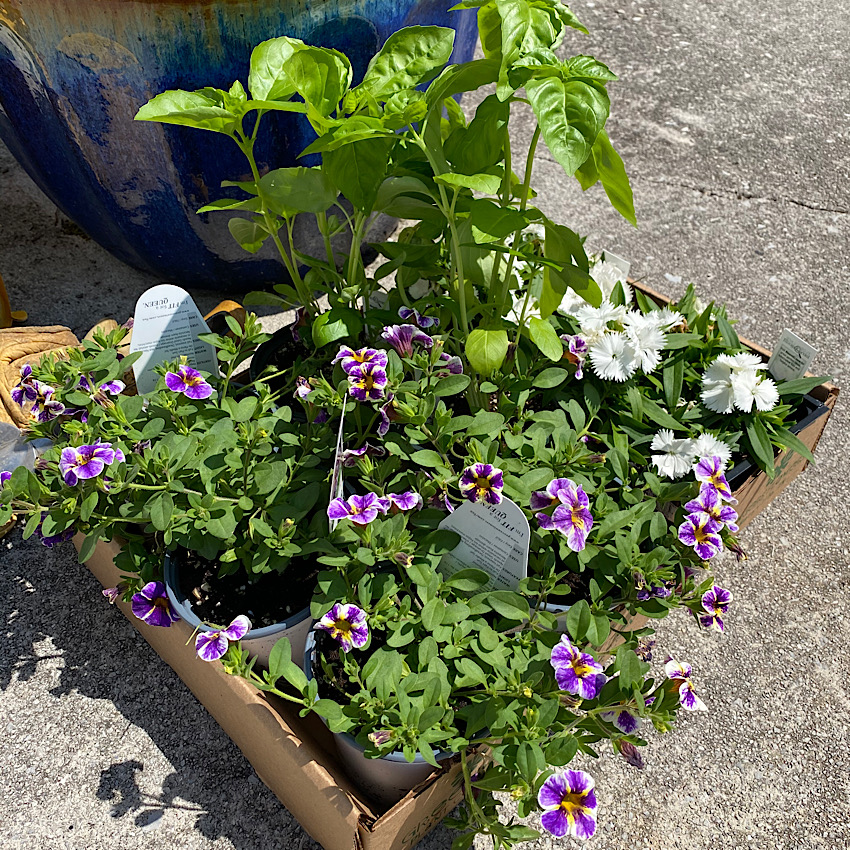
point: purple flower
(482, 482)
(45, 407)
(188, 381)
(112, 594)
(346, 624)
(141, 447)
(710, 470)
(680, 672)
(569, 804)
(449, 365)
(572, 517)
(350, 456)
(27, 389)
(5, 475)
(151, 605)
(386, 413)
(407, 501)
(87, 461)
(302, 388)
(576, 672)
(631, 754)
(380, 737)
(700, 531)
(716, 603)
(542, 499)
(711, 503)
(644, 648)
(359, 509)
(576, 352)
(367, 382)
(624, 720)
(211, 645)
(51, 540)
(402, 337)
(406, 313)
(350, 359)
(99, 394)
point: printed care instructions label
(791, 358)
(165, 328)
(493, 538)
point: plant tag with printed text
(791, 358)
(493, 538)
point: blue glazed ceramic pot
(74, 72)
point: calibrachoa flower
(45, 406)
(359, 509)
(569, 804)
(657, 591)
(710, 471)
(402, 337)
(449, 365)
(576, 352)
(407, 501)
(406, 313)
(576, 672)
(709, 502)
(482, 482)
(350, 359)
(367, 382)
(87, 461)
(99, 394)
(541, 499)
(624, 720)
(716, 603)
(572, 517)
(51, 540)
(350, 456)
(386, 413)
(112, 594)
(5, 475)
(188, 381)
(26, 390)
(211, 645)
(302, 388)
(346, 624)
(681, 672)
(151, 605)
(700, 531)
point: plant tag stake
(336, 479)
(791, 358)
(166, 327)
(493, 538)
(619, 262)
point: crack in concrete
(747, 196)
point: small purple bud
(631, 754)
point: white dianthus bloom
(749, 387)
(613, 357)
(707, 445)
(665, 319)
(718, 395)
(745, 361)
(675, 456)
(648, 342)
(607, 276)
(594, 319)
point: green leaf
(660, 416)
(281, 664)
(427, 457)
(187, 109)
(491, 222)
(244, 410)
(298, 189)
(799, 386)
(358, 169)
(760, 443)
(487, 184)
(673, 376)
(632, 669)
(88, 506)
(793, 442)
(615, 181)
(657, 526)
(551, 377)
(248, 234)
(432, 614)
(409, 57)
(337, 323)
(468, 581)
(321, 76)
(251, 204)
(160, 509)
(451, 385)
(268, 79)
(570, 113)
(546, 338)
(578, 620)
(510, 605)
(598, 629)
(471, 673)
(486, 350)
(564, 246)
(88, 547)
(485, 422)
(480, 145)
(727, 332)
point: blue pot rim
(184, 608)
(395, 757)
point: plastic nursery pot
(257, 642)
(387, 779)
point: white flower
(532, 309)
(707, 445)
(596, 319)
(718, 395)
(648, 342)
(607, 276)
(676, 455)
(665, 319)
(614, 358)
(749, 387)
(745, 361)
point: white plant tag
(336, 479)
(493, 538)
(166, 327)
(619, 262)
(791, 358)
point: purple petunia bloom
(482, 482)
(624, 720)
(87, 461)
(572, 517)
(188, 381)
(710, 471)
(716, 603)
(406, 501)
(111, 594)
(99, 394)
(679, 671)
(577, 672)
(406, 313)
(576, 352)
(346, 624)
(26, 390)
(402, 337)
(210, 646)
(45, 407)
(359, 509)
(302, 388)
(449, 365)
(5, 475)
(367, 382)
(350, 456)
(151, 605)
(711, 502)
(700, 531)
(569, 804)
(655, 591)
(542, 499)
(350, 359)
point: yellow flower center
(573, 803)
(701, 534)
(482, 483)
(367, 382)
(578, 521)
(580, 668)
(80, 459)
(342, 628)
(192, 380)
